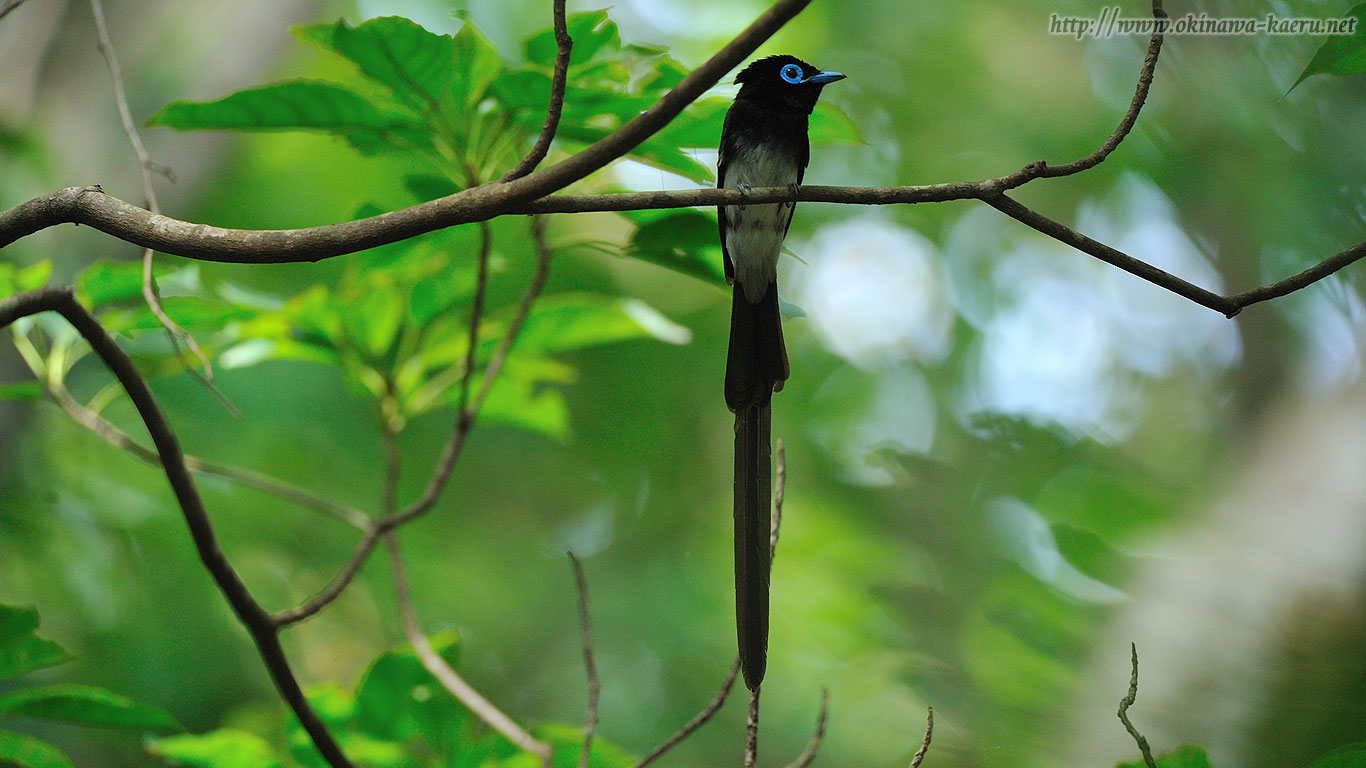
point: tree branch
(558, 81)
(1128, 701)
(145, 166)
(89, 206)
(698, 720)
(590, 667)
(924, 742)
(259, 624)
(804, 759)
(448, 677)
(9, 6)
(468, 412)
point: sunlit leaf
(223, 748)
(477, 67)
(20, 751)
(107, 282)
(525, 405)
(592, 33)
(1340, 54)
(293, 105)
(568, 321)
(86, 705)
(413, 63)
(830, 125)
(397, 698)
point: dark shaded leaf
(1182, 757)
(682, 240)
(20, 751)
(22, 390)
(87, 705)
(22, 651)
(1347, 756)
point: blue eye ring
(791, 73)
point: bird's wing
(722, 160)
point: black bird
(763, 144)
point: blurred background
(1006, 460)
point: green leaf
(22, 751)
(107, 282)
(186, 311)
(524, 405)
(1340, 54)
(477, 67)
(683, 240)
(1182, 757)
(291, 105)
(567, 321)
(416, 65)
(830, 125)
(397, 698)
(20, 650)
(87, 705)
(566, 743)
(374, 322)
(21, 390)
(592, 32)
(223, 748)
(1347, 756)
(14, 279)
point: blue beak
(821, 78)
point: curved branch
(263, 630)
(558, 81)
(89, 206)
(1126, 124)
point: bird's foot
(743, 189)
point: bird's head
(784, 81)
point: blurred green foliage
(940, 547)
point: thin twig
(558, 81)
(752, 730)
(1128, 701)
(698, 720)
(809, 754)
(9, 6)
(243, 477)
(590, 667)
(259, 624)
(448, 677)
(334, 588)
(925, 742)
(1126, 124)
(145, 167)
(779, 485)
(466, 417)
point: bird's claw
(743, 189)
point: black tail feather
(752, 549)
(756, 363)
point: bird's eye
(791, 73)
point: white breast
(754, 233)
